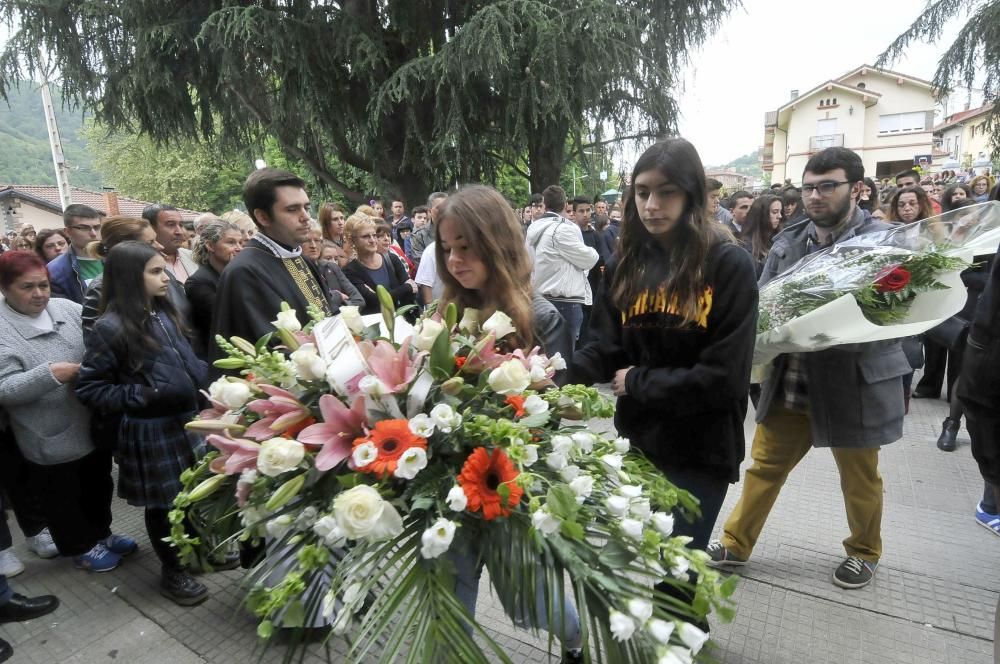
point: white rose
(500, 325)
(584, 441)
(676, 655)
(364, 454)
(640, 609)
(327, 529)
(556, 461)
(640, 509)
(279, 455)
(622, 445)
(422, 425)
(229, 394)
(352, 316)
(287, 320)
(535, 405)
(372, 387)
(510, 378)
(277, 527)
(622, 627)
(679, 570)
(557, 363)
(562, 444)
(362, 514)
(569, 473)
(664, 523)
(457, 499)
(445, 418)
(436, 539)
(411, 462)
(632, 528)
(617, 506)
(470, 321)
(630, 491)
(308, 364)
(660, 630)
(544, 522)
(582, 486)
(425, 334)
(692, 636)
(612, 461)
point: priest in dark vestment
(271, 268)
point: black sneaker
(854, 573)
(720, 556)
(182, 588)
(574, 656)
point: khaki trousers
(780, 442)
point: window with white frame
(898, 123)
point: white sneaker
(9, 564)
(42, 545)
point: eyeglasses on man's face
(824, 188)
(86, 228)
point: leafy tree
(972, 59)
(413, 95)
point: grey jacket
(50, 425)
(855, 390)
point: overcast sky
(770, 47)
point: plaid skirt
(152, 453)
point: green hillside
(25, 157)
(748, 164)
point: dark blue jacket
(64, 277)
(167, 383)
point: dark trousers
(710, 491)
(983, 425)
(5, 590)
(936, 358)
(15, 482)
(158, 529)
(572, 313)
(76, 500)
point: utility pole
(58, 158)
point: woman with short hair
(219, 242)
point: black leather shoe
(949, 432)
(6, 651)
(25, 608)
(182, 588)
(924, 394)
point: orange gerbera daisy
(481, 475)
(517, 403)
(391, 438)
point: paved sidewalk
(932, 600)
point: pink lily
(394, 368)
(484, 356)
(336, 433)
(237, 454)
(278, 413)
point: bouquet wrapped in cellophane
(884, 285)
(367, 456)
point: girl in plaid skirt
(140, 364)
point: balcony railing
(770, 118)
(817, 143)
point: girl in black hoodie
(674, 330)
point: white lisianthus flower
(411, 462)
(426, 333)
(436, 539)
(510, 378)
(557, 363)
(617, 506)
(327, 529)
(372, 387)
(632, 528)
(640, 509)
(680, 568)
(630, 491)
(457, 500)
(582, 486)
(537, 373)
(229, 394)
(364, 454)
(640, 609)
(660, 630)
(664, 523)
(693, 637)
(306, 518)
(676, 655)
(329, 605)
(535, 405)
(288, 321)
(308, 364)
(500, 325)
(622, 627)
(279, 455)
(278, 526)
(584, 441)
(445, 418)
(362, 514)
(544, 522)
(562, 444)
(612, 461)
(569, 473)
(352, 594)
(622, 445)
(556, 461)
(530, 455)
(342, 623)
(470, 321)
(422, 425)
(352, 316)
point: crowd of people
(108, 329)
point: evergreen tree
(415, 94)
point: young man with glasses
(72, 272)
(848, 398)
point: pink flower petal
(261, 429)
(336, 450)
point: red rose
(892, 280)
